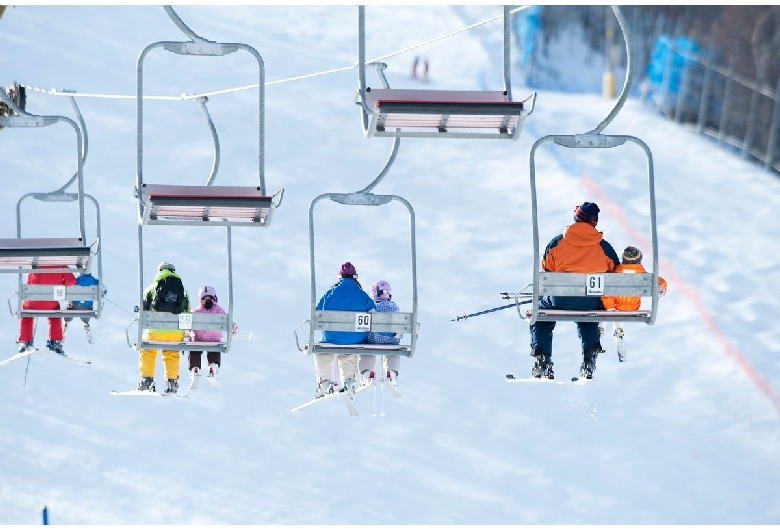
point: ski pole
(464, 317)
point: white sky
(685, 432)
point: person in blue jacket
(346, 295)
(86, 280)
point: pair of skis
(347, 398)
(212, 379)
(32, 351)
(576, 380)
(150, 393)
(193, 386)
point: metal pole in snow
(45, 515)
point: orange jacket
(629, 303)
(580, 248)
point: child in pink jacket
(208, 304)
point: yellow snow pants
(147, 358)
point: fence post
(666, 80)
(682, 90)
(705, 96)
(774, 127)
(751, 123)
(724, 111)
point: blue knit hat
(587, 212)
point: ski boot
(25, 346)
(543, 367)
(172, 386)
(146, 383)
(392, 377)
(367, 377)
(588, 365)
(323, 388)
(348, 385)
(55, 346)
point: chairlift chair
(600, 284)
(440, 113)
(22, 255)
(70, 293)
(328, 320)
(198, 205)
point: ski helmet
(207, 291)
(165, 265)
(381, 291)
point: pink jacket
(211, 335)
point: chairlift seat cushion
(205, 203)
(443, 110)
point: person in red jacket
(580, 248)
(55, 323)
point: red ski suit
(55, 323)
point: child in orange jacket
(631, 262)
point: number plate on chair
(185, 321)
(59, 292)
(363, 322)
(594, 284)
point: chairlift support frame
(439, 113)
(329, 320)
(188, 205)
(614, 284)
(26, 255)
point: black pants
(213, 357)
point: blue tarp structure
(528, 28)
(668, 59)
(671, 59)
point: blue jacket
(85, 280)
(345, 296)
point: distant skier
(382, 294)
(208, 304)
(631, 263)
(580, 248)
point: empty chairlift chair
(440, 113)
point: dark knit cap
(588, 212)
(632, 255)
(347, 270)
